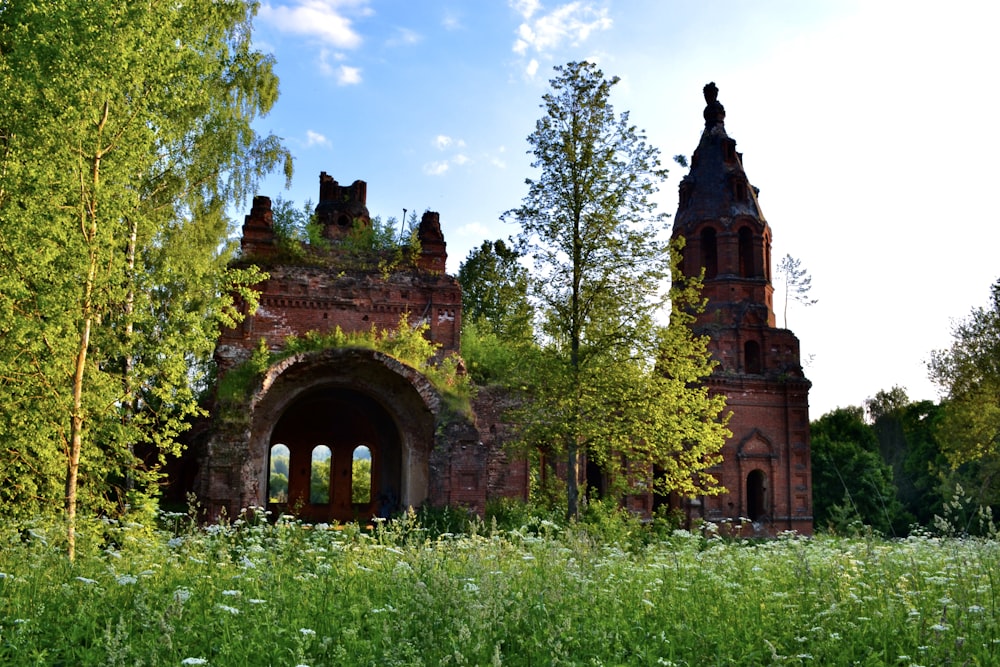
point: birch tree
(126, 131)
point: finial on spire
(715, 113)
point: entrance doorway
(756, 495)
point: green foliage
(495, 292)
(908, 442)
(368, 245)
(851, 483)
(361, 481)
(608, 381)
(969, 373)
(127, 130)
(252, 592)
(406, 343)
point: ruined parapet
(258, 230)
(340, 206)
(433, 253)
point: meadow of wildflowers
(289, 594)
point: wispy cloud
(451, 21)
(325, 19)
(436, 168)
(448, 145)
(542, 32)
(405, 37)
(316, 139)
(348, 76)
(443, 141)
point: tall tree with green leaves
(609, 383)
(495, 291)
(969, 374)
(126, 132)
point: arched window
(746, 252)
(361, 475)
(756, 495)
(277, 475)
(319, 476)
(751, 357)
(709, 253)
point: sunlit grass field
(288, 594)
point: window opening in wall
(746, 252)
(709, 253)
(319, 476)
(751, 357)
(361, 475)
(343, 221)
(756, 495)
(277, 475)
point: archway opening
(709, 253)
(747, 268)
(343, 460)
(756, 495)
(361, 476)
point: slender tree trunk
(88, 226)
(77, 417)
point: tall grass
(253, 593)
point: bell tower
(766, 462)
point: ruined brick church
(346, 401)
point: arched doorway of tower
(335, 455)
(756, 495)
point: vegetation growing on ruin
(406, 343)
(374, 245)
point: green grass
(289, 594)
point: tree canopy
(124, 134)
(609, 383)
(969, 374)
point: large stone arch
(402, 393)
(235, 470)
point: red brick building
(323, 410)
(766, 462)
(341, 400)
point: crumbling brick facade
(343, 399)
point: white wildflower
(232, 610)
(87, 581)
(126, 579)
(307, 632)
(194, 661)
(232, 593)
(182, 595)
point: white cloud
(526, 8)
(571, 23)
(443, 141)
(316, 139)
(460, 159)
(347, 76)
(475, 230)
(436, 168)
(324, 19)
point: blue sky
(867, 127)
